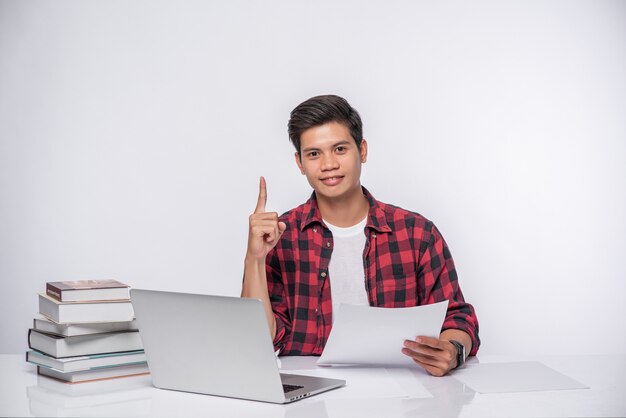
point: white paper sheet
(374, 336)
(524, 376)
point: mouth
(331, 181)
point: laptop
(216, 345)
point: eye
(341, 149)
(312, 154)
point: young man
(344, 246)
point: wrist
(253, 271)
(460, 353)
(254, 261)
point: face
(331, 160)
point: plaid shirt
(406, 261)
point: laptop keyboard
(291, 388)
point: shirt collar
(375, 218)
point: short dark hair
(319, 110)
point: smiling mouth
(331, 181)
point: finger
(264, 228)
(422, 359)
(267, 221)
(422, 350)
(435, 371)
(264, 224)
(430, 341)
(262, 200)
(265, 216)
(445, 358)
(427, 361)
(276, 233)
(269, 231)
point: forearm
(461, 317)
(255, 286)
(441, 283)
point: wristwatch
(460, 353)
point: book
(81, 312)
(96, 374)
(73, 364)
(101, 388)
(84, 345)
(84, 290)
(68, 330)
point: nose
(329, 162)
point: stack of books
(87, 332)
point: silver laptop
(216, 345)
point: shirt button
(323, 274)
(374, 235)
(314, 229)
(327, 244)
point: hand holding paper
(436, 355)
(375, 336)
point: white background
(132, 135)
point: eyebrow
(336, 144)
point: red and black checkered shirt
(406, 261)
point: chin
(332, 192)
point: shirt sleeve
(439, 282)
(277, 296)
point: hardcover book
(97, 374)
(84, 345)
(81, 312)
(101, 391)
(73, 364)
(84, 290)
(46, 325)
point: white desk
(23, 393)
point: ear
(299, 162)
(363, 151)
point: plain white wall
(132, 135)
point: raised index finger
(260, 204)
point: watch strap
(460, 353)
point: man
(344, 246)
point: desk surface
(23, 393)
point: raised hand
(265, 229)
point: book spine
(30, 331)
(53, 292)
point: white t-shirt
(345, 270)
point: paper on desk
(374, 336)
(524, 376)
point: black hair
(319, 110)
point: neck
(345, 211)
